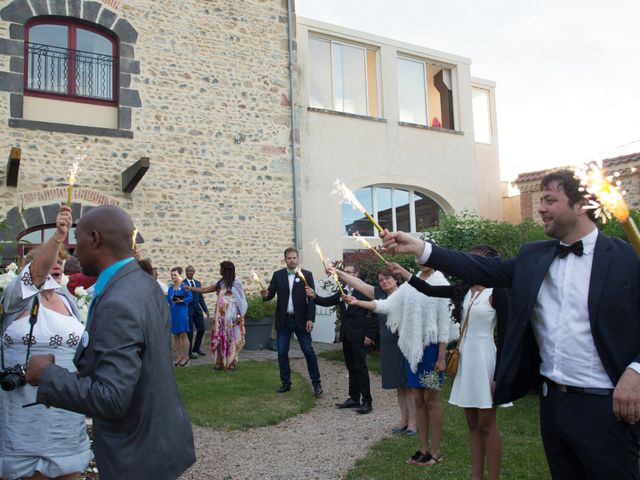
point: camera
(12, 378)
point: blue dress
(179, 311)
(427, 365)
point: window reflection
(353, 220)
(384, 207)
(403, 216)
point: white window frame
(365, 49)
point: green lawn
(522, 453)
(373, 359)
(242, 399)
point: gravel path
(320, 444)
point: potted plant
(258, 321)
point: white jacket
(419, 320)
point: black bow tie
(564, 250)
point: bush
(462, 231)
(258, 308)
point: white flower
(12, 267)
(64, 280)
(80, 292)
(5, 279)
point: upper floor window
(481, 115)
(393, 208)
(425, 93)
(70, 59)
(343, 77)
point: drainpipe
(294, 170)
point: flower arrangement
(83, 299)
(430, 380)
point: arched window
(70, 59)
(394, 208)
(34, 237)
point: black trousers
(355, 358)
(584, 440)
(196, 321)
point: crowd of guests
(590, 390)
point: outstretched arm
(363, 287)
(367, 305)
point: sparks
(316, 246)
(366, 244)
(609, 195)
(256, 278)
(301, 275)
(349, 197)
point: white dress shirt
(560, 321)
(291, 278)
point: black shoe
(285, 387)
(364, 408)
(192, 356)
(199, 352)
(317, 390)
(348, 403)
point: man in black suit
(295, 313)
(357, 331)
(574, 327)
(197, 311)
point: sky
(567, 71)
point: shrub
(258, 308)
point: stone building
(186, 111)
(627, 166)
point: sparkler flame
(316, 246)
(256, 278)
(74, 169)
(609, 193)
(347, 195)
(335, 276)
(301, 275)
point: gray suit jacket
(125, 382)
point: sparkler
(610, 195)
(134, 235)
(316, 246)
(366, 244)
(301, 275)
(256, 278)
(74, 169)
(349, 197)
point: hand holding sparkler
(63, 224)
(310, 292)
(349, 197)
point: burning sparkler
(301, 275)
(349, 197)
(335, 276)
(610, 195)
(366, 244)
(74, 169)
(256, 278)
(324, 259)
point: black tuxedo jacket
(197, 305)
(304, 308)
(356, 322)
(613, 305)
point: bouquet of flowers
(430, 380)
(83, 299)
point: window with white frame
(393, 208)
(425, 93)
(482, 115)
(343, 77)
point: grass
(522, 453)
(243, 399)
(373, 359)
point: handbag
(454, 355)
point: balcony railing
(70, 72)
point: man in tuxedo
(124, 380)
(197, 311)
(574, 329)
(295, 313)
(357, 331)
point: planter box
(257, 333)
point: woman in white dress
(482, 309)
(37, 442)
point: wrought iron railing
(70, 72)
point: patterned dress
(50, 440)
(227, 332)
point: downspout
(294, 170)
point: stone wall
(214, 120)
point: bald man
(124, 379)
